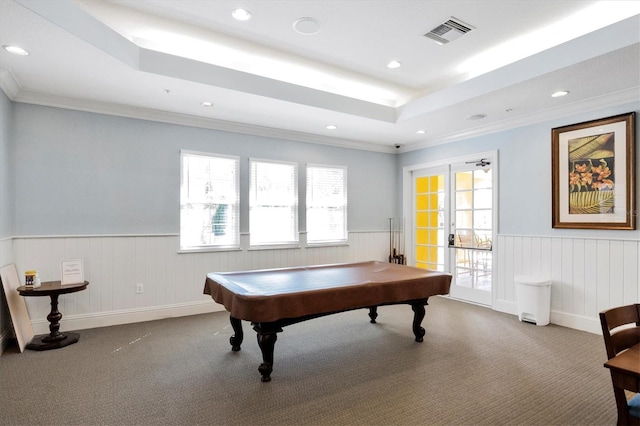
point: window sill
(275, 247)
(328, 244)
(208, 249)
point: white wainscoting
(588, 275)
(173, 282)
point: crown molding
(13, 91)
(567, 110)
(127, 111)
(9, 84)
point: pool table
(274, 298)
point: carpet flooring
(475, 367)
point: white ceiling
(106, 56)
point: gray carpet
(475, 367)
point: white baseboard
(506, 306)
(105, 319)
(128, 316)
(578, 322)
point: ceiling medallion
(306, 26)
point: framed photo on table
(71, 271)
(593, 174)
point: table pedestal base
(44, 342)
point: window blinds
(273, 203)
(326, 204)
(209, 201)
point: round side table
(55, 339)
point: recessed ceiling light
(420, 132)
(475, 117)
(15, 50)
(207, 104)
(394, 64)
(241, 14)
(559, 94)
(306, 26)
(331, 127)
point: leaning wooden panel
(17, 306)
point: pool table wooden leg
(419, 313)
(238, 334)
(267, 336)
(373, 314)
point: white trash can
(534, 299)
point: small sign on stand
(72, 271)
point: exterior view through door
(453, 226)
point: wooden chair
(621, 330)
(464, 256)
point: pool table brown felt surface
(272, 294)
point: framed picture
(593, 166)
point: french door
(453, 226)
(430, 216)
(471, 241)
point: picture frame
(594, 173)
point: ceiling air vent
(448, 31)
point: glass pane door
(471, 238)
(429, 202)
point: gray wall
(6, 204)
(525, 173)
(81, 173)
(6, 168)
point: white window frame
(293, 241)
(310, 205)
(229, 243)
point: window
(326, 204)
(273, 203)
(209, 201)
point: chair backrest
(465, 239)
(617, 337)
